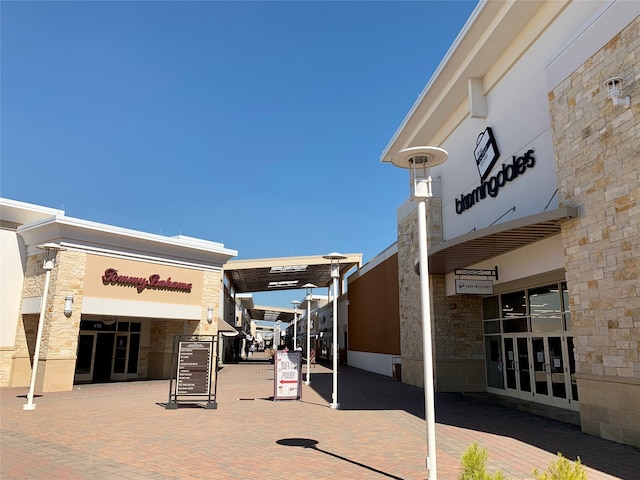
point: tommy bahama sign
(111, 277)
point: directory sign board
(194, 368)
(287, 378)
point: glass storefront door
(529, 349)
(107, 352)
(517, 367)
(554, 373)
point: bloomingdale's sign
(154, 282)
(492, 185)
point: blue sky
(256, 124)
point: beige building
(114, 303)
(534, 226)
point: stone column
(597, 147)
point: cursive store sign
(491, 186)
(111, 277)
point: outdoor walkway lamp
(419, 160)
(335, 275)
(295, 304)
(309, 287)
(49, 263)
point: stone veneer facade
(597, 149)
(456, 320)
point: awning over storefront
(226, 329)
(480, 245)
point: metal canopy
(286, 273)
(480, 245)
(271, 314)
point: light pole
(49, 263)
(295, 304)
(335, 275)
(309, 287)
(419, 160)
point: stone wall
(598, 163)
(456, 321)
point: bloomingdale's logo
(491, 186)
(111, 277)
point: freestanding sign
(287, 378)
(195, 361)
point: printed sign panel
(194, 368)
(474, 287)
(288, 375)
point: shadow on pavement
(361, 390)
(312, 444)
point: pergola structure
(284, 273)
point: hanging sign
(474, 287)
(288, 375)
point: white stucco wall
(371, 362)
(523, 89)
(11, 280)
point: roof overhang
(480, 245)
(92, 237)
(225, 329)
(494, 36)
(286, 273)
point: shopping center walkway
(123, 431)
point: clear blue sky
(256, 124)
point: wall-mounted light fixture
(209, 314)
(614, 91)
(68, 303)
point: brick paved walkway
(122, 431)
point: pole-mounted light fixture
(309, 288)
(295, 304)
(49, 262)
(419, 161)
(335, 275)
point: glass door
(517, 367)
(84, 358)
(120, 357)
(554, 371)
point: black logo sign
(491, 187)
(486, 152)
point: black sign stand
(195, 359)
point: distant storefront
(116, 298)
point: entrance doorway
(539, 367)
(107, 352)
(529, 346)
(517, 367)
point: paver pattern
(123, 431)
